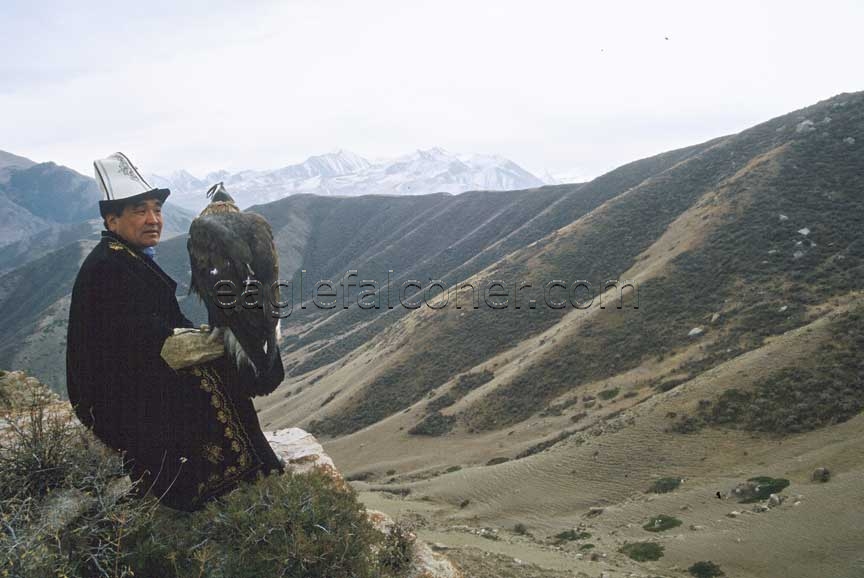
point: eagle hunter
(227, 244)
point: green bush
(546, 444)
(570, 536)
(664, 486)
(40, 454)
(397, 550)
(498, 460)
(360, 476)
(435, 424)
(661, 523)
(765, 487)
(520, 529)
(643, 551)
(705, 569)
(608, 394)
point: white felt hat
(121, 183)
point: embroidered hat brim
(116, 205)
(122, 183)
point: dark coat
(189, 435)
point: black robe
(188, 435)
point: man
(189, 433)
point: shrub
(330, 398)
(661, 523)
(571, 536)
(664, 486)
(397, 550)
(440, 402)
(705, 569)
(670, 384)
(496, 461)
(642, 551)
(765, 486)
(39, 454)
(608, 394)
(360, 476)
(520, 529)
(435, 424)
(546, 444)
(288, 525)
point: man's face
(140, 224)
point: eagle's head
(220, 201)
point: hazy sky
(564, 86)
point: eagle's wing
(238, 247)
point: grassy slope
(723, 249)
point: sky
(560, 86)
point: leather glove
(192, 347)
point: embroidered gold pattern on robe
(233, 432)
(213, 453)
(117, 246)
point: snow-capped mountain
(343, 173)
(565, 177)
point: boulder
(300, 451)
(775, 500)
(821, 475)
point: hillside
(740, 248)
(769, 208)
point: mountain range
(343, 173)
(533, 431)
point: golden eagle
(227, 244)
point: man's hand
(192, 347)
